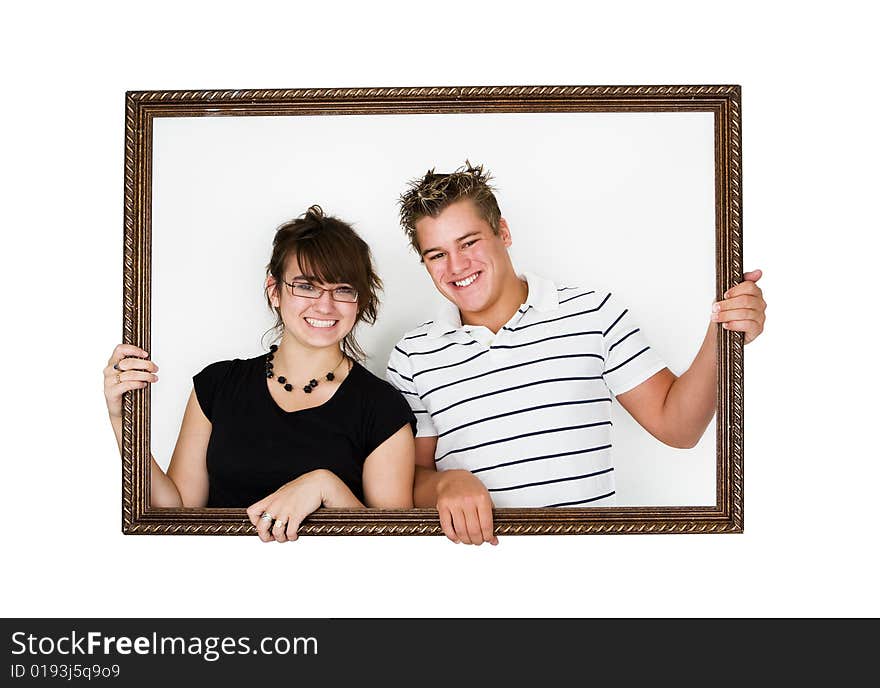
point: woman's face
(314, 322)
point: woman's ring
(118, 378)
(279, 524)
(267, 516)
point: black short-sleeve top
(256, 446)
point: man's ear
(272, 291)
(504, 232)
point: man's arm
(427, 476)
(463, 502)
(676, 410)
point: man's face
(468, 263)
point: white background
(602, 200)
(810, 185)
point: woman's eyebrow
(313, 279)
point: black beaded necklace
(270, 373)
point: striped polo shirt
(527, 410)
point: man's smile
(467, 281)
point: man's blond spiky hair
(428, 196)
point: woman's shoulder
(379, 401)
(221, 381)
(231, 367)
(370, 383)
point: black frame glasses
(307, 290)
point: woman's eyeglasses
(309, 291)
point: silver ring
(267, 516)
(279, 524)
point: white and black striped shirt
(527, 410)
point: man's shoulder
(571, 297)
(419, 337)
(576, 295)
(562, 287)
(418, 332)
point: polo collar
(542, 297)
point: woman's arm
(128, 369)
(389, 470)
(388, 484)
(188, 469)
(278, 516)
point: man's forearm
(690, 403)
(425, 484)
(461, 500)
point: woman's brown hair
(329, 250)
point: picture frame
(146, 109)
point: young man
(512, 384)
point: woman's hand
(278, 516)
(128, 369)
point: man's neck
(514, 294)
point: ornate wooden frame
(141, 107)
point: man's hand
(743, 308)
(465, 508)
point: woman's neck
(298, 361)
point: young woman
(302, 426)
